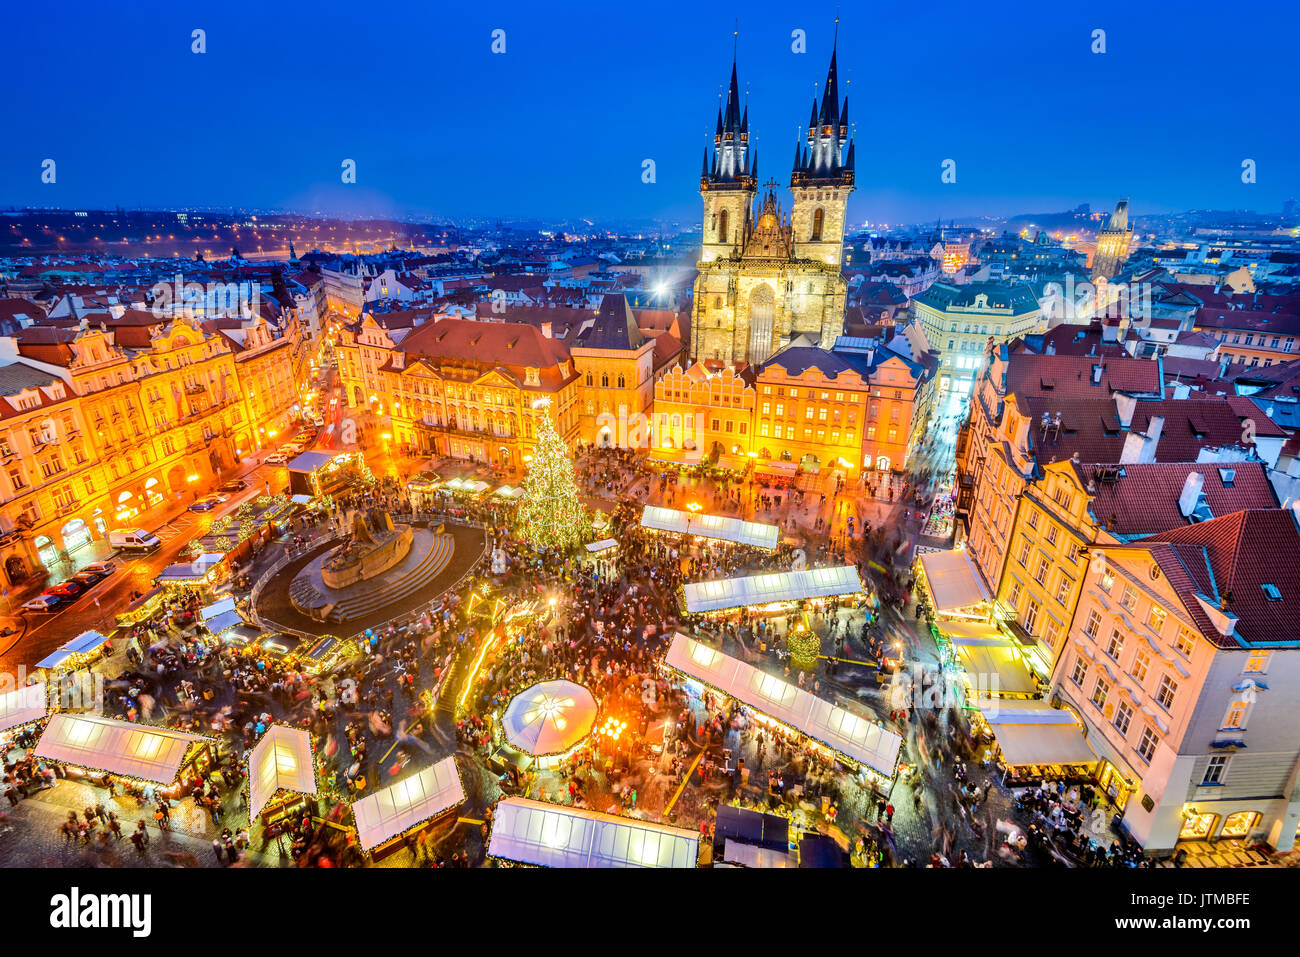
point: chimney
(1191, 493)
(1132, 451)
(1097, 370)
(1154, 428)
(546, 330)
(1125, 406)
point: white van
(133, 539)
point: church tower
(822, 177)
(767, 279)
(1112, 243)
(728, 183)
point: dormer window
(1272, 592)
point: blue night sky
(558, 126)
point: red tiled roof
(1229, 560)
(1281, 323)
(514, 346)
(1072, 376)
(1143, 500)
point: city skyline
(422, 131)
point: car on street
(41, 603)
(293, 448)
(207, 503)
(234, 485)
(276, 458)
(64, 590)
(100, 568)
(86, 578)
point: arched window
(819, 215)
(722, 226)
(588, 378)
(622, 382)
(604, 380)
(717, 302)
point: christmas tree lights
(550, 514)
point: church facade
(767, 277)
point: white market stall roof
(1024, 744)
(230, 619)
(856, 737)
(602, 545)
(188, 571)
(726, 593)
(22, 705)
(999, 711)
(552, 835)
(954, 583)
(676, 456)
(300, 499)
(281, 761)
(777, 467)
(467, 485)
(1013, 675)
(549, 718)
(972, 633)
(118, 747)
(311, 460)
(409, 802)
(711, 526)
(507, 491)
(84, 643)
(217, 609)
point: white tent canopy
(725, 593)
(954, 583)
(507, 491)
(400, 806)
(851, 735)
(984, 662)
(999, 711)
(1024, 744)
(549, 718)
(281, 761)
(22, 705)
(718, 527)
(118, 747)
(972, 633)
(552, 835)
(603, 545)
(230, 619)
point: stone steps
(429, 568)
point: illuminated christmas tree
(550, 513)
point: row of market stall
(1002, 674)
(281, 766)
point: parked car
(234, 485)
(207, 503)
(276, 458)
(87, 578)
(102, 569)
(63, 590)
(41, 603)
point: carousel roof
(549, 718)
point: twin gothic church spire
(820, 160)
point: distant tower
(1112, 243)
(822, 177)
(728, 184)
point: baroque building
(766, 277)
